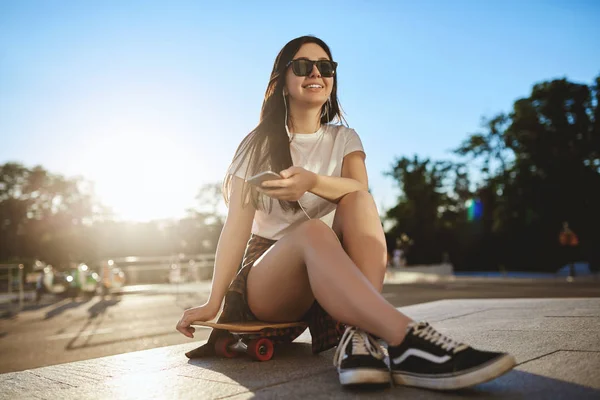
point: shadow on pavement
(10, 309)
(96, 313)
(101, 306)
(7, 314)
(94, 325)
(65, 306)
(97, 309)
(36, 307)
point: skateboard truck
(260, 348)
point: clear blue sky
(150, 99)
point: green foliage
(540, 166)
(43, 215)
(432, 201)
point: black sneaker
(428, 359)
(360, 360)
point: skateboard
(247, 337)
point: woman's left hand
(296, 181)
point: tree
(489, 147)
(534, 168)
(44, 215)
(541, 166)
(421, 205)
(554, 134)
(203, 226)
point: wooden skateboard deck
(249, 327)
(247, 337)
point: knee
(315, 230)
(361, 197)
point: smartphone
(257, 179)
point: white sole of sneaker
(469, 378)
(364, 376)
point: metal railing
(7, 274)
(161, 269)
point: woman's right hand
(202, 313)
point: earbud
(286, 116)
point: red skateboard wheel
(261, 349)
(222, 347)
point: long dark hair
(267, 147)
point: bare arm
(354, 178)
(232, 243)
(297, 181)
(230, 251)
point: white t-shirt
(321, 152)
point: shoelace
(362, 344)
(427, 332)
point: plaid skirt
(325, 331)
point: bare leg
(358, 225)
(310, 263)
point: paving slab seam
(538, 357)
(580, 351)
(458, 316)
(479, 311)
(557, 351)
(52, 380)
(253, 390)
(209, 380)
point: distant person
(397, 254)
(397, 258)
(569, 243)
(311, 244)
(39, 287)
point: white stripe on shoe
(422, 354)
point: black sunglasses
(304, 67)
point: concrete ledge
(436, 269)
(556, 343)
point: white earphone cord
(305, 213)
(290, 137)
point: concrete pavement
(556, 343)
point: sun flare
(141, 177)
